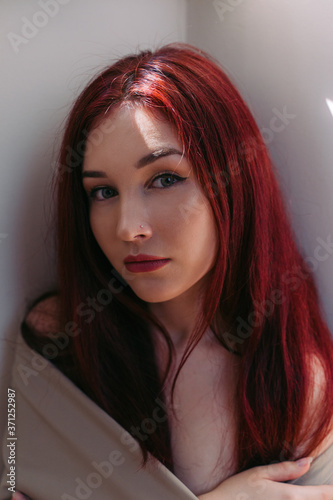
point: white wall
(41, 73)
(279, 54)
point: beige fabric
(67, 448)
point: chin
(153, 295)
(152, 298)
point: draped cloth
(68, 448)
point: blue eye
(167, 180)
(102, 193)
(161, 181)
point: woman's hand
(266, 483)
(19, 496)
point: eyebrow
(145, 160)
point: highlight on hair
(262, 302)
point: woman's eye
(162, 181)
(102, 193)
(166, 180)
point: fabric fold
(67, 448)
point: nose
(133, 220)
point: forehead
(130, 130)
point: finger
(19, 496)
(286, 471)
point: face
(148, 212)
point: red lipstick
(144, 263)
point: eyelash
(93, 192)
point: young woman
(181, 289)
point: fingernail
(302, 462)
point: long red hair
(260, 287)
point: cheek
(204, 239)
(100, 227)
(206, 230)
(94, 226)
(194, 227)
(194, 208)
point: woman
(180, 283)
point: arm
(267, 482)
(262, 483)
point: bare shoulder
(42, 323)
(44, 317)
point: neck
(179, 315)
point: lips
(142, 257)
(144, 263)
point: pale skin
(145, 198)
